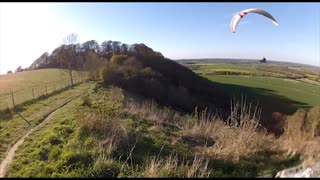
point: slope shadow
(266, 99)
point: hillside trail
(10, 154)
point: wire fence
(14, 98)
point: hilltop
(142, 71)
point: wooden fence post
(46, 91)
(12, 98)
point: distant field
(273, 94)
(31, 84)
(270, 69)
(277, 86)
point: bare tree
(68, 57)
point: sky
(177, 30)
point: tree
(106, 49)
(19, 69)
(68, 54)
(91, 46)
(93, 64)
(116, 47)
(124, 48)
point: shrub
(118, 58)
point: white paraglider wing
(236, 18)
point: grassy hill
(128, 132)
(28, 85)
(109, 133)
(165, 81)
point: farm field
(29, 85)
(273, 94)
(268, 84)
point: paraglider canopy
(236, 18)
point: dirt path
(10, 154)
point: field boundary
(11, 151)
(22, 96)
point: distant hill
(242, 61)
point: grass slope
(42, 81)
(13, 126)
(107, 134)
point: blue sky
(177, 30)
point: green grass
(28, 85)
(49, 151)
(66, 146)
(13, 127)
(206, 67)
(273, 94)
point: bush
(118, 59)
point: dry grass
(103, 122)
(313, 121)
(151, 111)
(300, 136)
(239, 137)
(109, 132)
(170, 167)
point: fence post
(12, 98)
(46, 91)
(32, 93)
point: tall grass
(152, 111)
(170, 167)
(102, 120)
(301, 135)
(238, 136)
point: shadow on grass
(267, 99)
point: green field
(270, 69)
(276, 87)
(29, 85)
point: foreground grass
(109, 133)
(13, 126)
